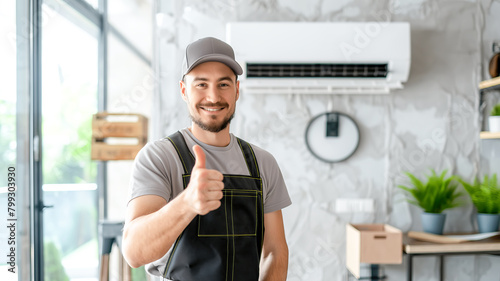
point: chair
(109, 233)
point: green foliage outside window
(72, 164)
(53, 269)
(8, 137)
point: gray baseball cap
(209, 49)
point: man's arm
(274, 260)
(152, 225)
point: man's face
(211, 92)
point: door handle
(40, 207)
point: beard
(212, 127)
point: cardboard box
(373, 244)
(118, 136)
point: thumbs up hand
(204, 191)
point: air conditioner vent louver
(305, 70)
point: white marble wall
(432, 123)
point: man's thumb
(200, 157)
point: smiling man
(206, 205)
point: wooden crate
(119, 125)
(118, 128)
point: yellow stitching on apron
(177, 240)
(257, 216)
(179, 153)
(255, 160)
(238, 176)
(228, 235)
(256, 192)
(227, 232)
(172, 253)
(232, 225)
(241, 148)
(244, 190)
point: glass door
(69, 97)
(8, 157)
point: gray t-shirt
(158, 171)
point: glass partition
(8, 142)
(69, 98)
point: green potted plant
(485, 196)
(494, 119)
(434, 195)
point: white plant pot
(494, 123)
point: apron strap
(188, 159)
(250, 159)
(182, 149)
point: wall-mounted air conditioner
(321, 58)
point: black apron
(226, 243)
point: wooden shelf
(414, 246)
(489, 135)
(490, 84)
